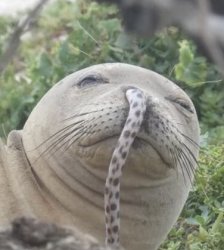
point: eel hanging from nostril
(132, 126)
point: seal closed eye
(91, 80)
(181, 102)
(58, 164)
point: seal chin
(143, 158)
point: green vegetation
(72, 36)
(201, 224)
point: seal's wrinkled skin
(56, 167)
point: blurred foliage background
(69, 36)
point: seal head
(70, 137)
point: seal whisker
(82, 114)
(173, 157)
(59, 136)
(91, 112)
(190, 140)
(55, 144)
(116, 109)
(70, 141)
(55, 134)
(178, 159)
(191, 153)
(58, 139)
(82, 131)
(186, 163)
(63, 136)
(190, 160)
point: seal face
(72, 133)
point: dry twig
(15, 38)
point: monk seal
(56, 167)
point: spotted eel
(132, 126)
